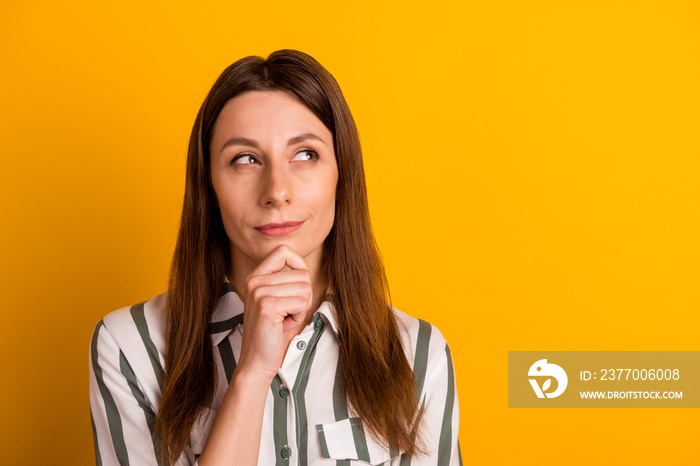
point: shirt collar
(228, 313)
(327, 311)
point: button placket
(293, 365)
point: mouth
(279, 229)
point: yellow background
(533, 180)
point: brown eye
(245, 159)
(306, 154)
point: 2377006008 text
(632, 374)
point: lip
(278, 229)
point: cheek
(234, 199)
(325, 195)
(233, 214)
(230, 222)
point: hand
(277, 300)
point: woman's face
(274, 174)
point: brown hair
(378, 380)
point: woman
(275, 227)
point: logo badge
(543, 369)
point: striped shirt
(307, 420)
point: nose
(276, 187)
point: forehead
(265, 113)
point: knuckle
(249, 283)
(265, 303)
(249, 276)
(253, 282)
(306, 287)
(294, 305)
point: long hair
(379, 384)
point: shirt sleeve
(122, 419)
(440, 408)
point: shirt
(306, 421)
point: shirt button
(301, 345)
(318, 323)
(284, 393)
(286, 453)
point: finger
(292, 321)
(278, 308)
(282, 290)
(276, 278)
(280, 257)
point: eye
(245, 159)
(306, 154)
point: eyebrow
(253, 143)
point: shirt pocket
(346, 440)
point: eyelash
(311, 151)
